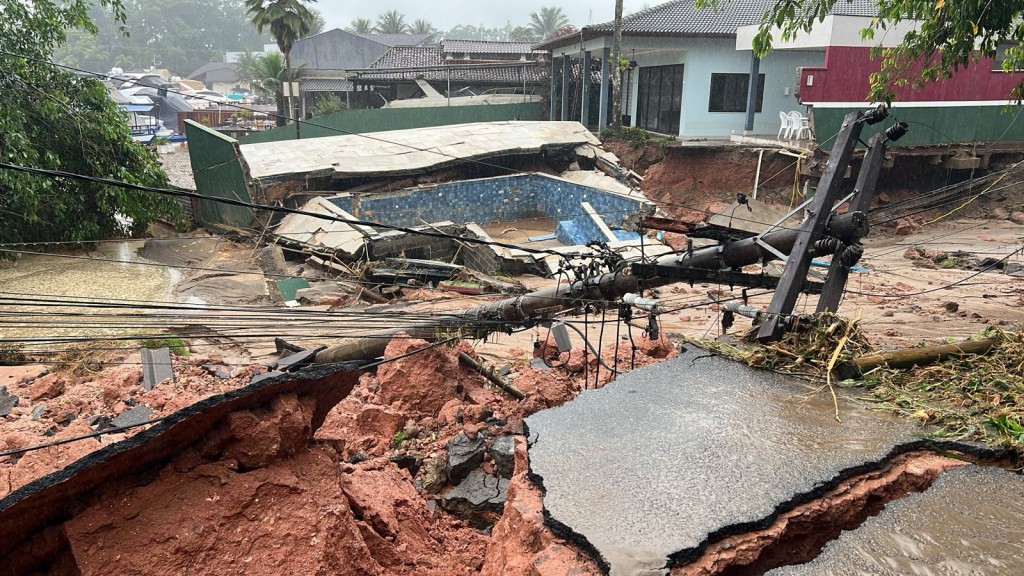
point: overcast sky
(444, 14)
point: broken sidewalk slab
(298, 360)
(156, 367)
(479, 492)
(968, 522)
(7, 401)
(694, 449)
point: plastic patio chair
(799, 125)
(785, 126)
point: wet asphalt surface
(669, 457)
(968, 522)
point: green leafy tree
(55, 120)
(288, 20)
(181, 35)
(328, 104)
(952, 34)
(421, 26)
(360, 26)
(318, 24)
(523, 34)
(547, 21)
(391, 22)
(267, 75)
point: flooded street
(72, 289)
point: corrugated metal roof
(325, 85)
(486, 47)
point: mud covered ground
(363, 495)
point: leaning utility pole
(825, 196)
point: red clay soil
(71, 399)
(260, 495)
(692, 179)
(798, 535)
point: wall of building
(844, 77)
(336, 50)
(706, 56)
(365, 121)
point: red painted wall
(844, 78)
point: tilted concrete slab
(968, 522)
(650, 469)
(406, 151)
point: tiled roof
(683, 18)
(509, 75)
(486, 47)
(398, 39)
(325, 85)
(410, 57)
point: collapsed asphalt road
(649, 471)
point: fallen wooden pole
(494, 378)
(910, 357)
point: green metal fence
(379, 120)
(931, 125)
(218, 172)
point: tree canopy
(548, 20)
(360, 26)
(391, 22)
(54, 120)
(951, 35)
(181, 35)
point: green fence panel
(218, 173)
(931, 125)
(382, 119)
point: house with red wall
(973, 106)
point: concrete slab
(668, 458)
(968, 522)
(156, 367)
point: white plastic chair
(785, 125)
(799, 125)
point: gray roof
(325, 85)
(486, 47)
(215, 72)
(683, 18)
(427, 62)
(398, 39)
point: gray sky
(444, 14)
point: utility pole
(617, 67)
(826, 195)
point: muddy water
(120, 275)
(967, 523)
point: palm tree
(549, 19)
(317, 25)
(268, 74)
(288, 21)
(360, 26)
(391, 22)
(421, 26)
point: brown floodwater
(65, 286)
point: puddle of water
(118, 277)
(967, 523)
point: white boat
(144, 126)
